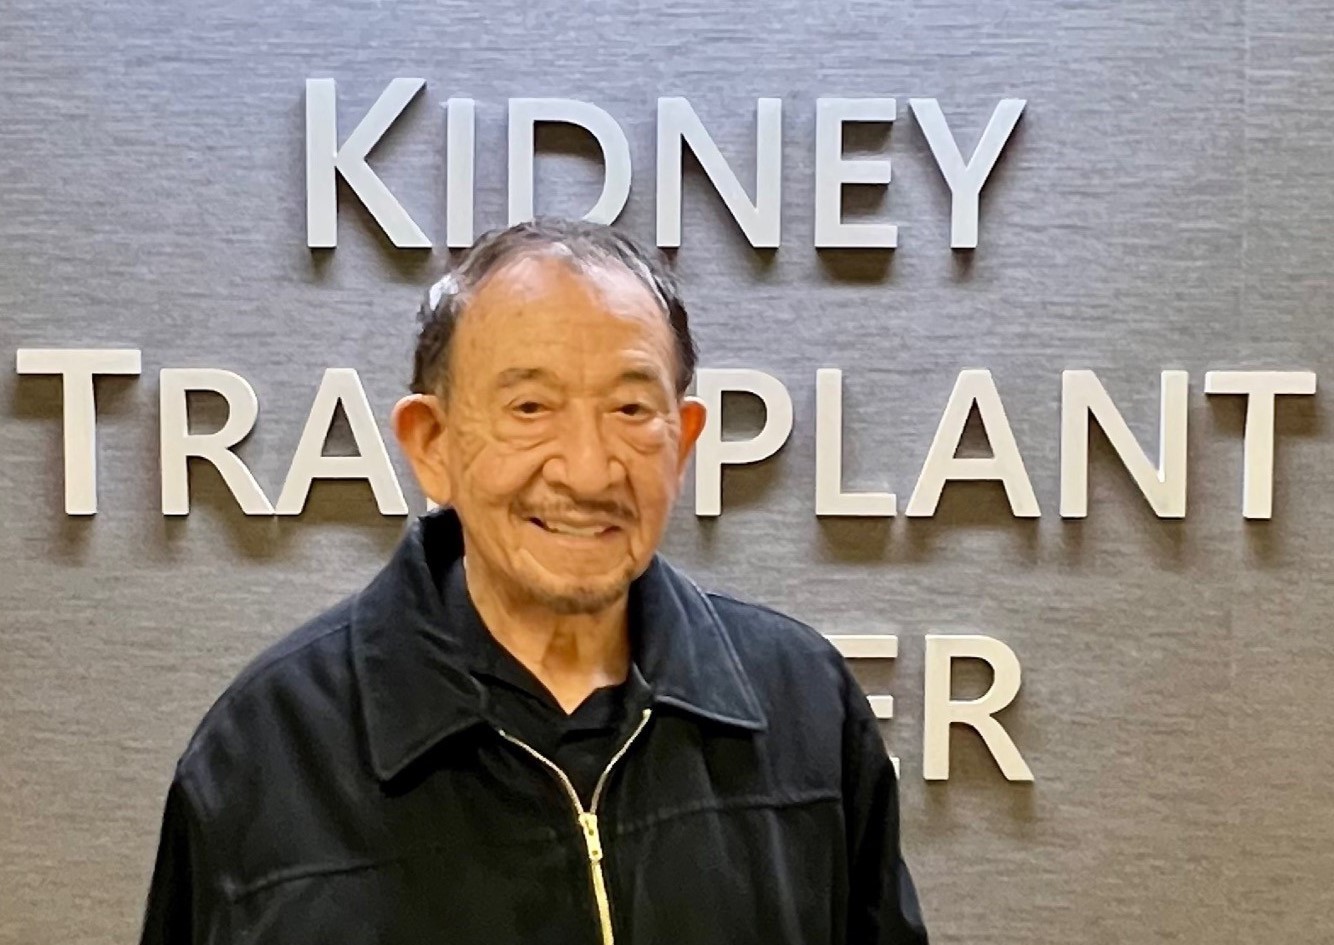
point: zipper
(588, 819)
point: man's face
(563, 436)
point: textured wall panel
(1166, 202)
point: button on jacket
(352, 786)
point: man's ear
(693, 416)
(419, 426)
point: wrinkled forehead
(553, 274)
(547, 306)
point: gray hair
(577, 240)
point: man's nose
(584, 463)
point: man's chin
(581, 600)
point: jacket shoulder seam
(786, 618)
(819, 641)
(252, 675)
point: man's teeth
(590, 531)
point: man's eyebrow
(512, 376)
(640, 375)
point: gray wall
(1165, 203)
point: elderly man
(530, 727)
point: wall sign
(1160, 475)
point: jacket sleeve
(171, 913)
(883, 908)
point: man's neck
(571, 654)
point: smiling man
(530, 727)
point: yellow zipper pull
(592, 836)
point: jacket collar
(410, 663)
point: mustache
(611, 509)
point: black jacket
(349, 789)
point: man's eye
(634, 410)
(529, 408)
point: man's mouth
(594, 530)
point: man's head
(549, 409)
